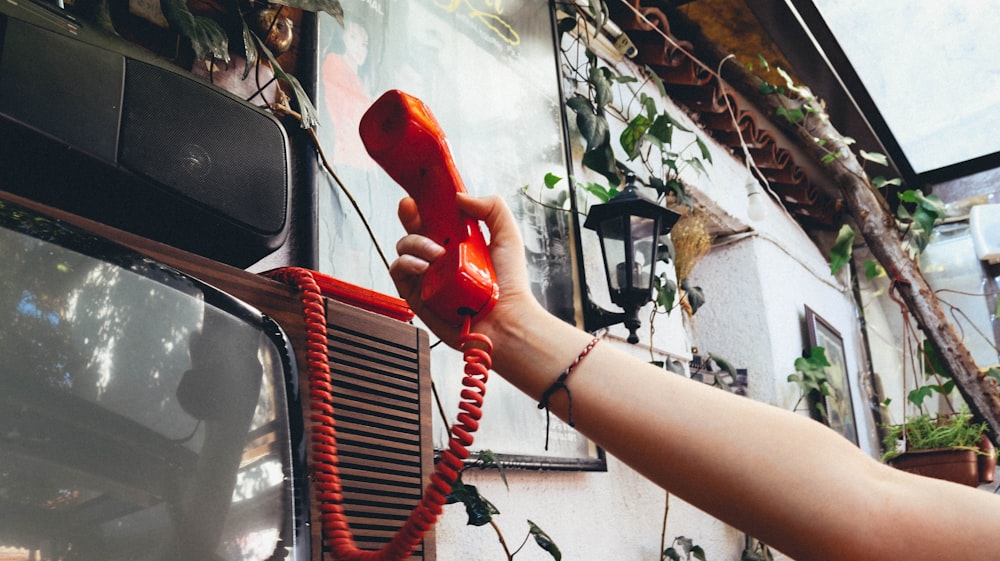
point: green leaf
(591, 127)
(602, 160)
(931, 204)
(671, 553)
(874, 157)
(306, 110)
(666, 292)
(599, 13)
(662, 129)
(249, 49)
(600, 191)
(488, 458)
(479, 510)
(873, 269)
(565, 25)
(675, 366)
(656, 80)
(598, 155)
(810, 372)
(840, 253)
(682, 195)
(917, 396)
(697, 165)
(622, 78)
(551, 179)
(879, 181)
(723, 364)
(544, 541)
(658, 184)
(705, 154)
(791, 115)
(665, 250)
(698, 552)
(631, 137)
(695, 296)
(648, 105)
(206, 36)
(600, 79)
(933, 363)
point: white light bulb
(756, 208)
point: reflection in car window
(138, 419)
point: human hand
(416, 252)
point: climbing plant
(652, 143)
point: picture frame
(838, 406)
(483, 73)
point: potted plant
(943, 446)
(948, 445)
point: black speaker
(99, 127)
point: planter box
(960, 466)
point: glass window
(142, 415)
(929, 66)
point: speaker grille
(202, 144)
(382, 425)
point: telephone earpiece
(402, 135)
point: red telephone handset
(402, 135)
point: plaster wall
(757, 279)
(757, 283)
(590, 516)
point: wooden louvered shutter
(382, 409)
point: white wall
(614, 515)
(757, 285)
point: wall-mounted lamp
(629, 227)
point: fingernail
(434, 248)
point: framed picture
(838, 405)
(488, 73)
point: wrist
(533, 350)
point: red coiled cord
(477, 353)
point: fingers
(409, 217)
(419, 247)
(490, 210)
(415, 255)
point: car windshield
(142, 415)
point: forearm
(778, 476)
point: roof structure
(684, 42)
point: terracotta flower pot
(987, 460)
(958, 465)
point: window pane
(931, 69)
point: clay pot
(987, 460)
(957, 465)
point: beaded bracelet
(560, 384)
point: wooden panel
(382, 409)
(382, 396)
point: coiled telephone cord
(477, 352)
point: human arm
(780, 477)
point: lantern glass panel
(613, 236)
(642, 235)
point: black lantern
(629, 227)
